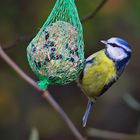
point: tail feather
(87, 112)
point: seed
(72, 59)
(59, 56)
(38, 64)
(52, 56)
(45, 46)
(53, 49)
(51, 43)
(47, 35)
(33, 48)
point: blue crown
(123, 42)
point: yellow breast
(97, 74)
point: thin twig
(93, 132)
(17, 39)
(17, 69)
(92, 14)
(46, 94)
(63, 114)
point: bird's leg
(87, 112)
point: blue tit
(102, 69)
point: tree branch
(17, 39)
(45, 94)
(92, 14)
(93, 132)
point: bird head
(117, 49)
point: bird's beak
(104, 42)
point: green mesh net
(56, 54)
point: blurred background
(22, 107)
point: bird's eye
(112, 44)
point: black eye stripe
(114, 45)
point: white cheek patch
(116, 53)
